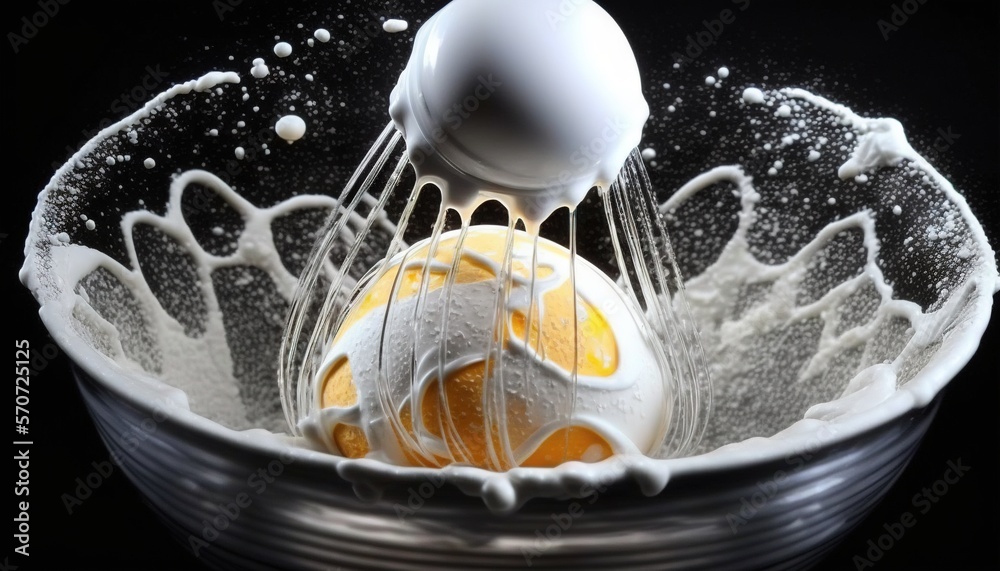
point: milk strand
(202, 369)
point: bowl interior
(829, 267)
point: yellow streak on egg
(339, 391)
(596, 348)
(597, 355)
(485, 243)
(571, 443)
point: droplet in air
(290, 128)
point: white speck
(149, 163)
(784, 111)
(648, 154)
(395, 26)
(309, 77)
(897, 210)
(710, 80)
(110, 161)
(241, 124)
(290, 128)
(677, 66)
(259, 70)
(753, 95)
(322, 35)
(246, 97)
(832, 201)
(671, 109)
(814, 156)
(218, 231)
(666, 86)
(310, 42)
(861, 179)
(772, 171)
(723, 72)
(712, 114)
(91, 224)
(240, 153)
(282, 49)
(214, 132)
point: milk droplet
(897, 210)
(240, 153)
(784, 111)
(753, 95)
(723, 72)
(91, 225)
(259, 70)
(648, 154)
(710, 80)
(814, 156)
(149, 163)
(322, 35)
(290, 128)
(395, 26)
(282, 49)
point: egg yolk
(461, 423)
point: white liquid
(203, 368)
(395, 26)
(626, 407)
(291, 128)
(282, 49)
(456, 139)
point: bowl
(786, 470)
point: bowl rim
(146, 391)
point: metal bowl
(770, 488)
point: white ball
(520, 97)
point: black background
(938, 71)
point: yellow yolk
(462, 423)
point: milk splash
(816, 313)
